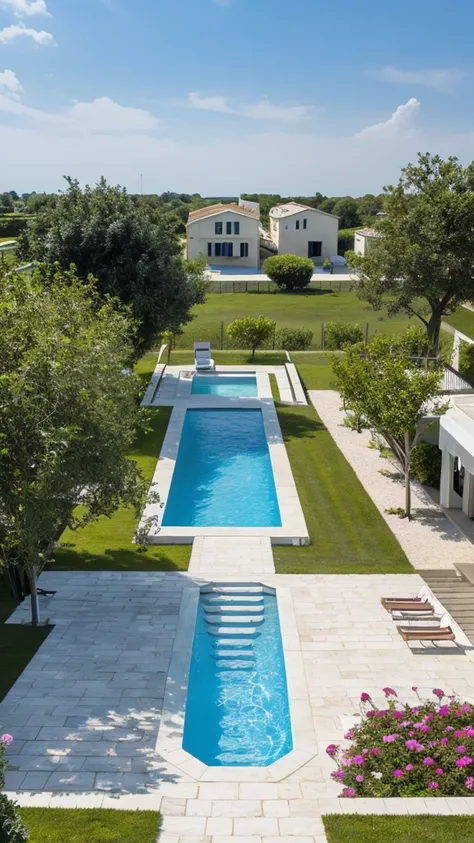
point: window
(237, 228)
(244, 250)
(297, 225)
(209, 250)
(218, 228)
(305, 223)
(228, 228)
(315, 248)
(217, 249)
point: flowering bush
(403, 750)
(5, 740)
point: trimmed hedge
(339, 334)
(294, 339)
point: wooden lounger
(401, 604)
(426, 633)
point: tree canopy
(422, 263)
(129, 248)
(250, 332)
(289, 271)
(390, 388)
(69, 408)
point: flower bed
(403, 750)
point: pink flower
(389, 692)
(365, 697)
(449, 729)
(469, 782)
(365, 751)
(464, 761)
(6, 739)
(433, 785)
(371, 713)
(428, 762)
(439, 771)
(439, 693)
(349, 735)
(389, 738)
(375, 751)
(415, 710)
(332, 750)
(411, 744)
(405, 723)
(465, 708)
(347, 762)
(425, 729)
(348, 792)
(397, 774)
(444, 710)
(459, 733)
(469, 731)
(420, 747)
(429, 717)
(398, 715)
(337, 774)
(359, 760)
(409, 768)
(432, 744)
(461, 750)
(414, 688)
(359, 779)
(444, 741)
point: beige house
(300, 230)
(364, 240)
(227, 235)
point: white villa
(364, 239)
(227, 235)
(456, 441)
(300, 230)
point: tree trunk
(407, 477)
(433, 330)
(35, 611)
(253, 352)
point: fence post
(233, 286)
(222, 336)
(220, 286)
(366, 332)
(246, 286)
(274, 335)
(322, 335)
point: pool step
(244, 619)
(233, 642)
(234, 654)
(234, 599)
(244, 608)
(235, 589)
(225, 665)
(233, 630)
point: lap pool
(223, 475)
(229, 386)
(237, 710)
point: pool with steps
(237, 710)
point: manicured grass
(62, 825)
(315, 370)
(180, 357)
(18, 644)
(288, 310)
(106, 545)
(348, 535)
(463, 320)
(375, 829)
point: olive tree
(250, 332)
(289, 271)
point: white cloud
(10, 85)
(400, 120)
(10, 33)
(442, 79)
(105, 115)
(261, 110)
(26, 8)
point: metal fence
(216, 334)
(324, 283)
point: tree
(130, 249)
(69, 409)
(389, 391)
(289, 271)
(250, 332)
(368, 207)
(423, 261)
(6, 203)
(346, 210)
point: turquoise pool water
(244, 386)
(223, 475)
(237, 709)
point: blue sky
(227, 96)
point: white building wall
(363, 244)
(203, 231)
(320, 228)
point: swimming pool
(243, 386)
(237, 710)
(223, 475)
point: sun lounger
(203, 356)
(426, 633)
(403, 604)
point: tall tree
(68, 412)
(130, 249)
(423, 261)
(346, 210)
(390, 388)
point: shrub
(250, 332)
(5, 740)
(402, 750)
(294, 339)
(466, 361)
(345, 240)
(426, 464)
(289, 271)
(339, 334)
(12, 829)
(12, 226)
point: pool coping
(169, 743)
(293, 530)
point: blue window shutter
(237, 228)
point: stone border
(293, 530)
(120, 802)
(169, 744)
(413, 806)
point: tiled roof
(290, 208)
(218, 209)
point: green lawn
(315, 370)
(18, 644)
(106, 545)
(289, 310)
(180, 357)
(463, 320)
(348, 535)
(375, 829)
(62, 825)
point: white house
(227, 235)
(364, 240)
(456, 441)
(300, 230)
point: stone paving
(85, 713)
(243, 556)
(431, 541)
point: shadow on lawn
(299, 423)
(155, 559)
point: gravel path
(430, 541)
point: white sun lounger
(202, 356)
